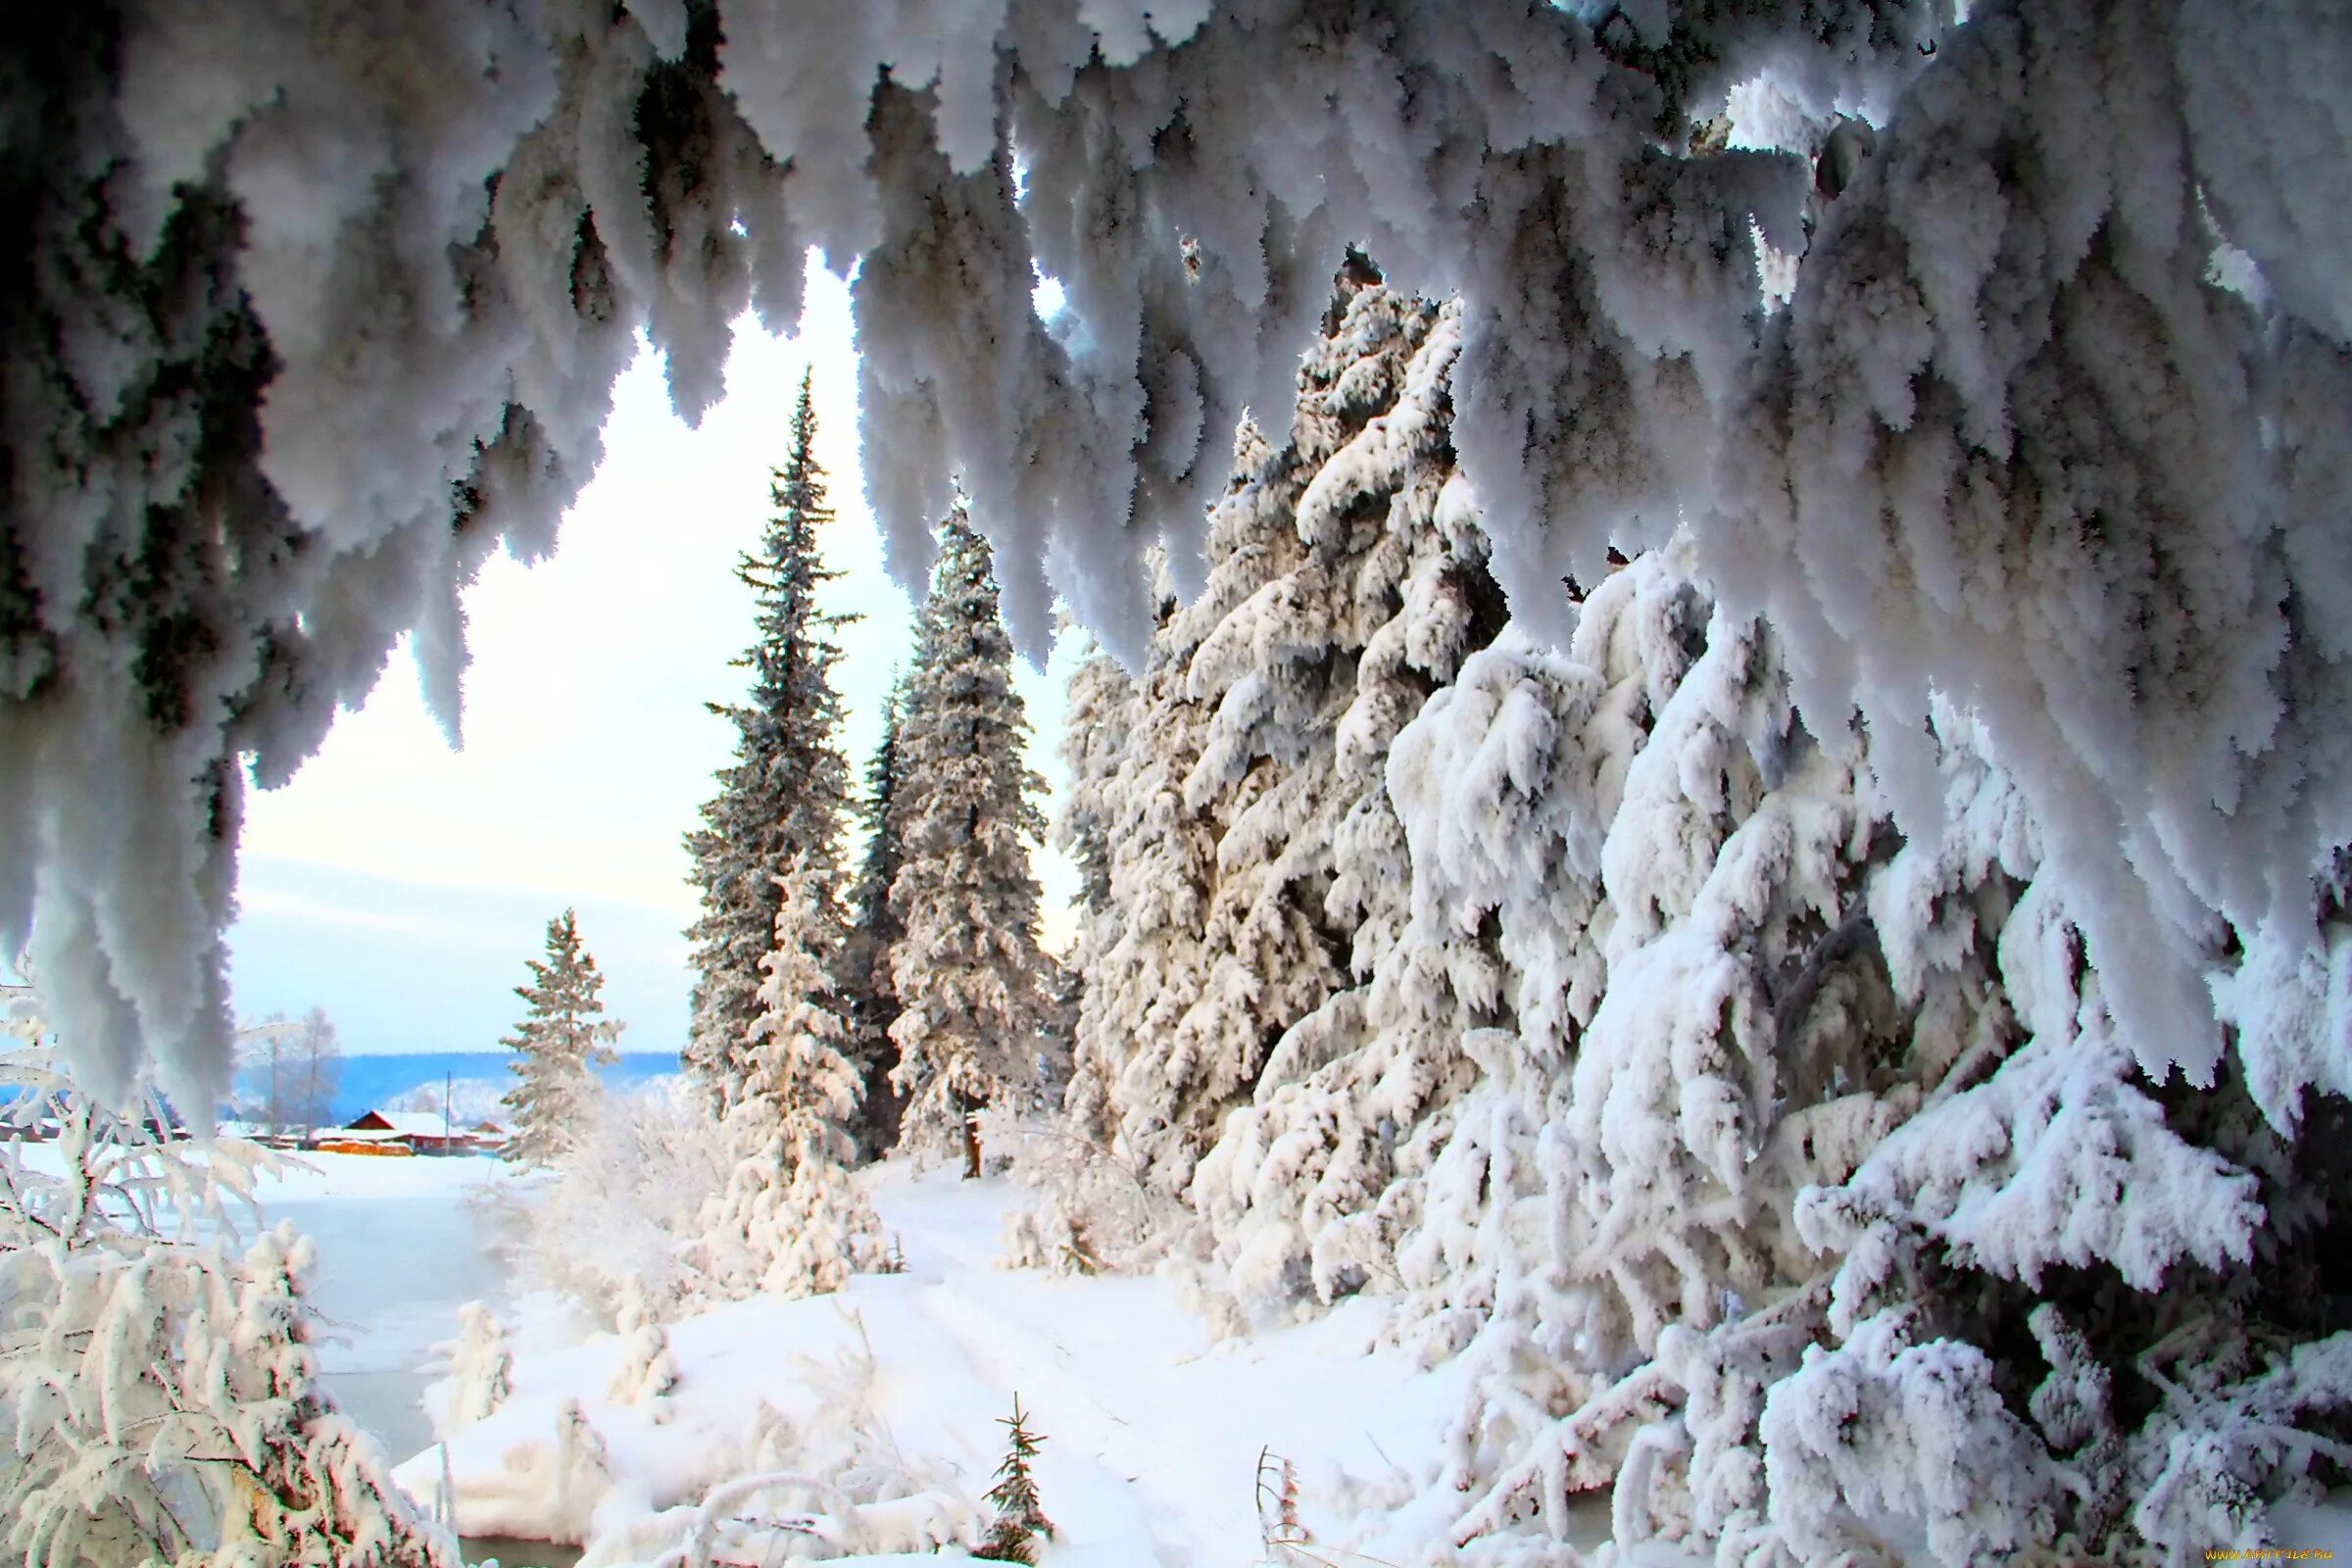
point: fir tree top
(784, 797)
(558, 1041)
(566, 992)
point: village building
(410, 1131)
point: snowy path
(1152, 1433)
(1156, 1435)
(1156, 1432)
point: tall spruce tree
(970, 979)
(791, 1222)
(870, 999)
(783, 798)
(559, 1040)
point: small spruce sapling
(1020, 1516)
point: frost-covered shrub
(834, 1485)
(617, 1204)
(478, 1371)
(1094, 1212)
(647, 1370)
(159, 1394)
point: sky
(401, 885)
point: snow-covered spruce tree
(1140, 954)
(1020, 1511)
(791, 1221)
(159, 1399)
(784, 797)
(560, 1041)
(1100, 749)
(873, 931)
(1747, 1214)
(966, 970)
(1335, 601)
(1093, 1210)
(1309, 1182)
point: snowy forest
(1712, 785)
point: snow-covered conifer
(1020, 1511)
(1099, 747)
(1253, 872)
(791, 1220)
(967, 969)
(873, 931)
(559, 1043)
(784, 797)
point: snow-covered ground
(1153, 1432)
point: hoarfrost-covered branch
(306, 314)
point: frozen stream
(399, 1253)
(392, 1273)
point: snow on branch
(308, 314)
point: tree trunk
(969, 1110)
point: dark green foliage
(1020, 1515)
(784, 797)
(866, 980)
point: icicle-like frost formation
(305, 314)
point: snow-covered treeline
(308, 312)
(1781, 1166)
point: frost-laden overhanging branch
(307, 308)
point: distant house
(410, 1131)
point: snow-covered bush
(478, 1371)
(616, 1205)
(158, 1398)
(647, 1371)
(832, 1486)
(1093, 1211)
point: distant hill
(369, 1082)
